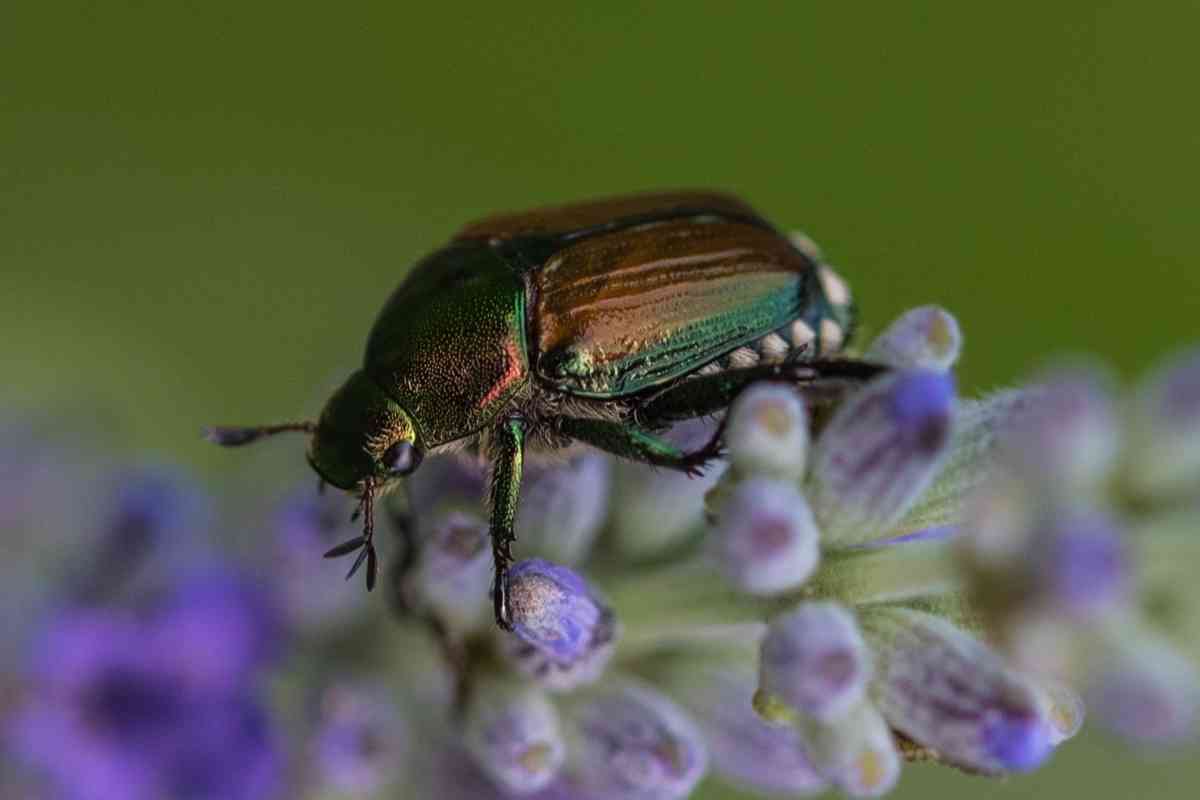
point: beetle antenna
(236, 437)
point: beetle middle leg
(507, 452)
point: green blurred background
(202, 205)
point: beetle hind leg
(630, 442)
(704, 394)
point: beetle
(600, 322)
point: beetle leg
(507, 452)
(701, 395)
(635, 444)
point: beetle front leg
(507, 453)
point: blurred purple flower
(359, 741)
(305, 526)
(123, 707)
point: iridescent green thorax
(449, 346)
(357, 425)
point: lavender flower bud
(764, 539)
(563, 506)
(659, 508)
(926, 338)
(945, 690)
(767, 432)
(874, 764)
(744, 748)
(632, 742)
(882, 448)
(1066, 439)
(454, 567)
(513, 734)
(1165, 457)
(1083, 567)
(856, 751)
(1146, 691)
(563, 635)
(814, 660)
(359, 740)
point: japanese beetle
(601, 322)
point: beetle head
(362, 441)
(363, 437)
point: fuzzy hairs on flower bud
(881, 450)
(563, 635)
(764, 540)
(767, 432)
(512, 731)
(927, 337)
(814, 660)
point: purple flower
(767, 432)
(657, 509)
(946, 690)
(359, 741)
(1065, 436)
(1146, 692)
(814, 660)
(764, 539)
(150, 522)
(305, 525)
(108, 714)
(1084, 566)
(926, 338)
(563, 506)
(743, 747)
(635, 743)
(562, 634)
(880, 451)
(1165, 446)
(512, 731)
(453, 570)
(217, 628)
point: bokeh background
(202, 205)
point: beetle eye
(401, 458)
